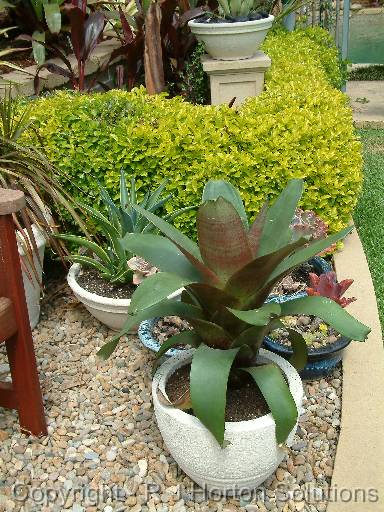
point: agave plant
(227, 278)
(114, 262)
(235, 8)
(327, 285)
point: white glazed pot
(32, 282)
(232, 41)
(111, 312)
(252, 454)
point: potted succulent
(305, 223)
(235, 32)
(105, 275)
(226, 408)
(26, 168)
(325, 345)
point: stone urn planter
(232, 41)
(110, 312)
(32, 282)
(251, 454)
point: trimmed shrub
(300, 126)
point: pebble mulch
(104, 451)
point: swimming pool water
(366, 38)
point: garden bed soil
(92, 282)
(243, 403)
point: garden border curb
(359, 462)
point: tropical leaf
(162, 253)
(300, 349)
(211, 298)
(168, 307)
(252, 337)
(189, 337)
(256, 229)
(53, 17)
(220, 188)
(154, 289)
(260, 316)
(247, 281)
(213, 335)
(186, 246)
(303, 255)
(208, 382)
(222, 238)
(276, 232)
(275, 390)
(38, 49)
(93, 27)
(329, 311)
(172, 233)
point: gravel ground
(104, 451)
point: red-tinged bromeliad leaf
(222, 237)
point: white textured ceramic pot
(32, 277)
(110, 312)
(232, 41)
(252, 454)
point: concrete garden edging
(359, 462)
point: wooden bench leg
(22, 361)
(25, 384)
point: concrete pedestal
(238, 79)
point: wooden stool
(24, 392)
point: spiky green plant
(227, 279)
(111, 259)
(26, 168)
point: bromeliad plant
(112, 260)
(227, 279)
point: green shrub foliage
(299, 127)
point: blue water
(366, 39)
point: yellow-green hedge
(300, 126)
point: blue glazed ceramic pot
(321, 361)
(147, 338)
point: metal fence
(331, 15)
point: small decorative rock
(3, 435)
(143, 467)
(101, 436)
(111, 455)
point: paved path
(367, 101)
(358, 477)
